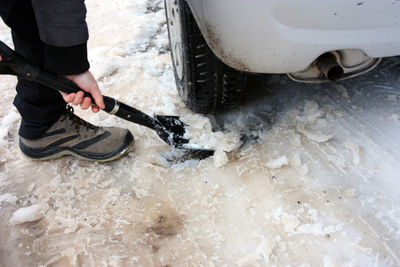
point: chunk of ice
(220, 158)
(314, 136)
(277, 163)
(29, 214)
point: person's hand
(87, 83)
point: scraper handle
(14, 64)
(112, 106)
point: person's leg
(49, 130)
(38, 105)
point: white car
(216, 44)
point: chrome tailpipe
(336, 65)
(330, 67)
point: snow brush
(169, 128)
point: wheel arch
(207, 85)
(212, 34)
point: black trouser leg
(38, 105)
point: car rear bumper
(275, 36)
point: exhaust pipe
(328, 65)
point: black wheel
(205, 84)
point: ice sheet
(328, 201)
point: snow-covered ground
(316, 181)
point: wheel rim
(175, 35)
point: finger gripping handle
(67, 86)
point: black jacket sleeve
(62, 27)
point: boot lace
(78, 122)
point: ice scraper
(169, 128)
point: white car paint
(275, 36)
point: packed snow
(303, 175)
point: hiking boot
(71, 135)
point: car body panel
(275, 36)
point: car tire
(205, 83)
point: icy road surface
(316, 182)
